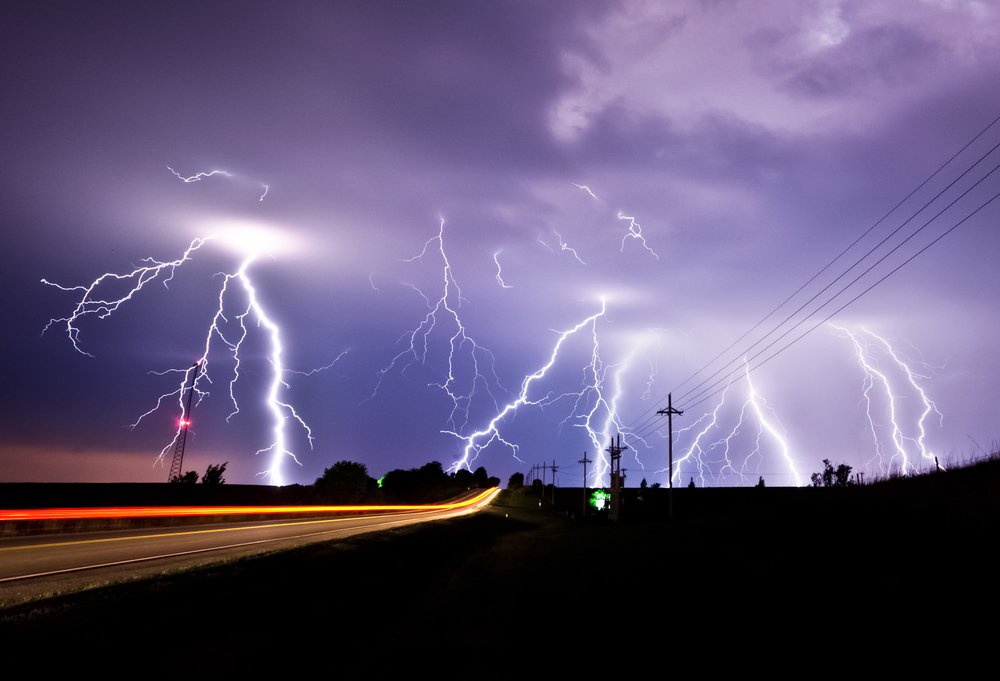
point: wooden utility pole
(554, 468)
(584, 461)
(615, 452)
(670, 411)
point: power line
(862, 293)
(862, 259)
(644, 426)
(873, 266)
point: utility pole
(177, 462)
(584, 461)
(670, 411)
(615, 452)
(554, 469)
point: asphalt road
(33, 567)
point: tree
(345, 482)
(481, 477)
(643, 484)
(213, 474)
(463, 478)
(189, 478)
(832, 477)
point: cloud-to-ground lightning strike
(231, 333)
(266, 188)
(699, 452)
(496, 259)
(459, 341)
(594, 395)
(477, 441)
(635, 232)
(900, 460)
(198, 177)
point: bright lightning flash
(700, 452)
(198, 177)
(635, 232)
(479, 440)
(444, 312)
(902, 443)
(230, 332)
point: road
(31, 567)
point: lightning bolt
(266, 188)
(874, 375)
(479, 440)
(90, 304)
(496, 259)
(585, 188)
(231, 333)
(197, 177)
(653, 370)
(594, 394)
(700, 451)
(635, 232)
(565, 248)
(759, 404)
(460, 343)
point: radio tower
(177, 463)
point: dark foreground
(513, 589)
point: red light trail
(481, 499)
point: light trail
(124, 512)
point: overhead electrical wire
(651, 422)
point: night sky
(683, 166)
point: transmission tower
(177, 463)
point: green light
(379, 481)
(599, 499)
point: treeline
(348, 482)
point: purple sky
(751, 142)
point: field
(739, 578)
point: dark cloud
(370, 121)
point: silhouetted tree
(345, 482)
(189, 478)
(832, 477)
(428, 483)
(842, 476)
(656, 485)
(481, 477)
(516, 481)
(643, 484)
(691, 484)
(463, 478)
(760, 483)
(493, 481)
(213, 474)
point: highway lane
(32, 566)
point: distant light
(599, 499)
